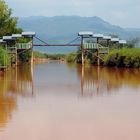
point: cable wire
(73, 41)
(41, 40)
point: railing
(101, 48)
(90, 46)
(24, 45)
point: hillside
(64, 28)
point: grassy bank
(39, 55)
(4, 57)
(126, 57)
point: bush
(72, 57)
(4, 57)
(126, 57)
(50, 56)
(25, 56)
(56, 56)
(39, 55)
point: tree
(8, 24)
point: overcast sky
(124, 13)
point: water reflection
(14, 82)
(96, 81)
(57, 112)
(17, 81)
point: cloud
(120, 12)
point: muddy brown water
(58, 101)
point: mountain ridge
(63, 29)
(66, 27)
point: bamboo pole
(32, 55)
(82, 51)
(16, 57)
(82, 80)
(98, 59)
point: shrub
(39, 55)
(25, 56)
(72, 57)
(125, 57)
(56, 56)
(111, 58)
(4, 57)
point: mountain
(133, 29)
(64, 28)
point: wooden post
(98, 79)
(82, 80)
(32, 55)
(82, 51)
(6, 57)
(4, 60)
(16, 57)
(98, 59)
(32, 74)
(108, 45)
(16, 53)
(107, 42)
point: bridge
(56, 45)
(87, 41)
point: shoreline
(47, 60)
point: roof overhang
(8, 38)
(85, 34)
(107, 37)
(115, 39)
(28, 34)
(16, 36)
(98, 35)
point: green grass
(126, 57)
(71, 58)
(50, 56)
(4, 57)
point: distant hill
(65, 28)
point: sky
(124, 13)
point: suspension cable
(41, 41)
(73, 41)
(65, 44)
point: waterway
(59, 101)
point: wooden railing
(91, 46)
(24, 45)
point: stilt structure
(4, 66)
(84, 35)
(14, 48)
(93, 46)
(98, 37)
(30, 35)
(82, 51)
